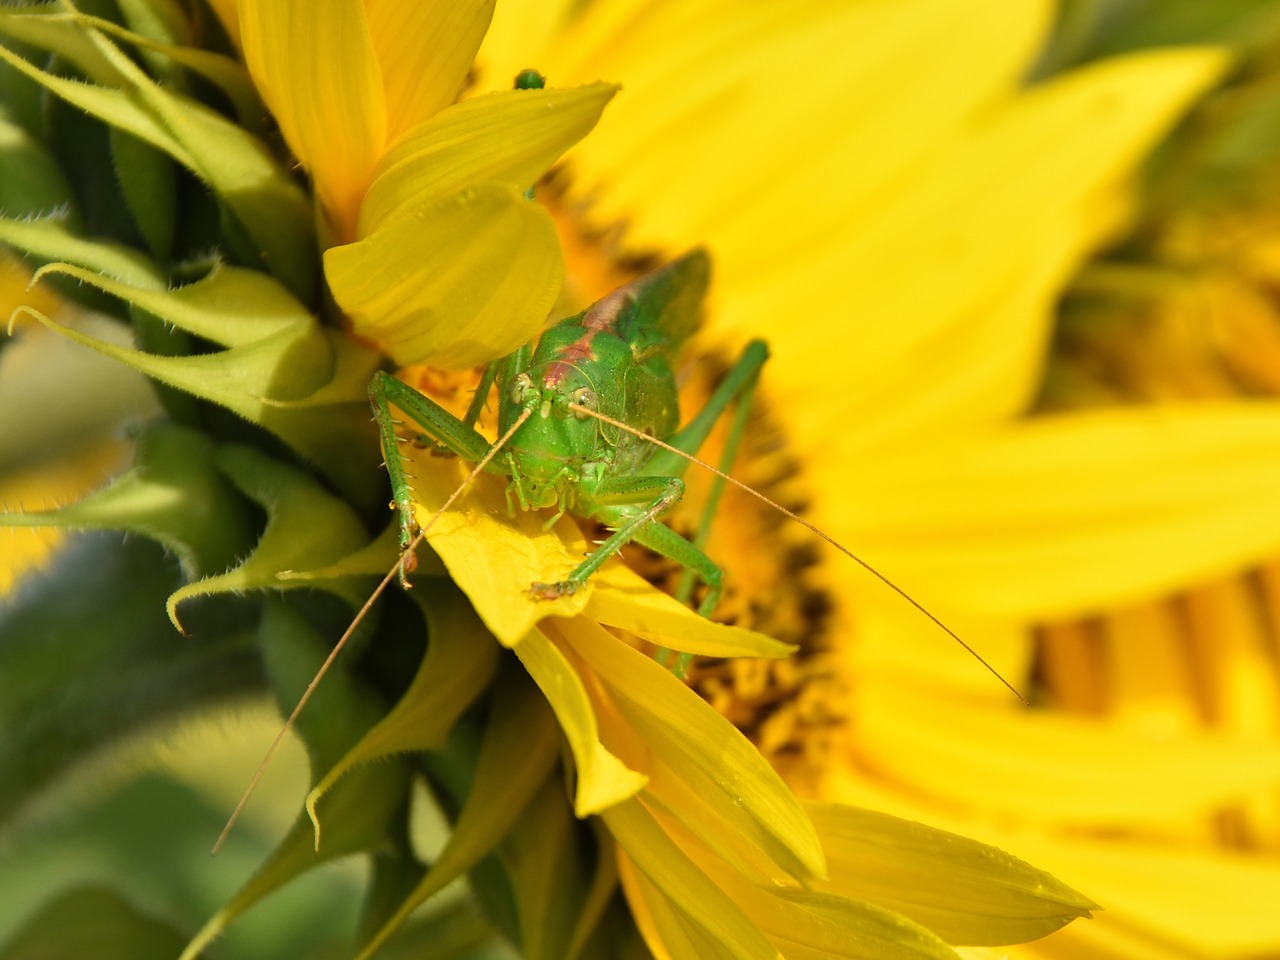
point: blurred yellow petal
(316, 67)
(1212, 904)
(229, 16)
(1052, 767)
(603, 780)
(1063, 514)
(452, 283)
(510, 137)
(424, 48)
(516, 34)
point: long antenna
(578, 408)
(363, 612)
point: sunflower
(714, 854)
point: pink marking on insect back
(603, 314)
(601, 317)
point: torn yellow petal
(493, 559)
(603, 780)
(453, 283)
(701, 747)
(424, 49)
(622, 599)
(315, 66)
(511, 137)
(1064, 514)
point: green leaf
(87, 658)
(549, 856)
(282, 371)
(91, 921)
(31, 182)
(457, 931)
(258, 192)
(460, 661)
(148, 180)
(366, 810)
(965, 891)
(518, 753)
(173, 494)
(306, 527)
(51, 239)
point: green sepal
(258, 192)
(31, 182)
(964, 891)
(75, 680)
(282, 370)
(366, 810)
(457, 931)
(460, 662)
(148, 180)
(306, 525)
(516, 758)
(52, 239)
(173, 494)
(92, 921)
(547, 859)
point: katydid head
(546, 454)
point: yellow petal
(511, 137)
(1211, 904)
(454, 283)
(699, 107)
(229, 16)
(316, 68)
(962, 890)
(425, 48)
(603, 780)
(1052, 767)
(493, 559)
(517, 40)
(622, 599)
(1064, 514)
(702, 748)
(689, 908)
(1017, 178)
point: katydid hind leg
(739, 387)
(688, 439)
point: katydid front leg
(438, 423)
(613, 502)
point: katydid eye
(520, 389)
(584, 397)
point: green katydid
(588, 418)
